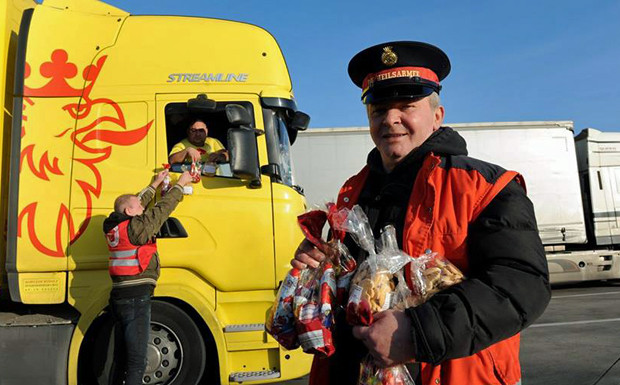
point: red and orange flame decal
(87, 130)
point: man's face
(399, 126)
(134, 207)
(197, 133)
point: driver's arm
(177, 157)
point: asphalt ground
(575, 342)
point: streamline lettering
(207, 78)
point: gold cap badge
(388, 57)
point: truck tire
(176, 350)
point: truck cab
(99, 99)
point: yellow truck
(94, 99)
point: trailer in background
(573, 182)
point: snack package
(302, 313)
(430, 274)
(381, 290)
(313, 301)
(380, 283)
(372, 286)
(194, 171)
(165, 185)
(281, 319)
(370, 374)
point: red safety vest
(442, 205)
(125, 257)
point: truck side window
(179, 118)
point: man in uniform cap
(476, 214)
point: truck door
(113, 148)
(229, 226)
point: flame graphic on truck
(86, 136)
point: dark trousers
(132, 318)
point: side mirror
(300, 121)
(238, 115)
(201, 104)
(244, 155)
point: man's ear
(438, 117)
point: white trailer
(580, 243)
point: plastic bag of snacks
(370, 374)
(378, 285)
(166, 183)
(302, 313)
(372, 286)
(281, 318)
(430, 274)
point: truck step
(253, 376)
(244, 328)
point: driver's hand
(193, 154)
(220, 156)
(184, 179)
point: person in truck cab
(476, 214)
(198, 146)
(134, 268)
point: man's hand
(193, 154)
(159, 178)
(220, 156)
(184, 179)
(307, 255)
(388, 339)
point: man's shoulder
(489, 171)
(182, 145)
(113, 220)
(213, 143)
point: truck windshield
(285, 161)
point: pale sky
(511, 61)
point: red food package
(281, 318)
(313, 308)
(307, 319)
(194, 171)
(165, 184)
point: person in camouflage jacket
(134, 268)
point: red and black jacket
(477, 215)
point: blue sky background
(511, 61)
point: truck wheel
(176, 352)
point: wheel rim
(164, 355)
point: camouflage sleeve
(144, 227)
(146, 195)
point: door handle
(172, 228)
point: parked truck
(574, 183)
(94, 99)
